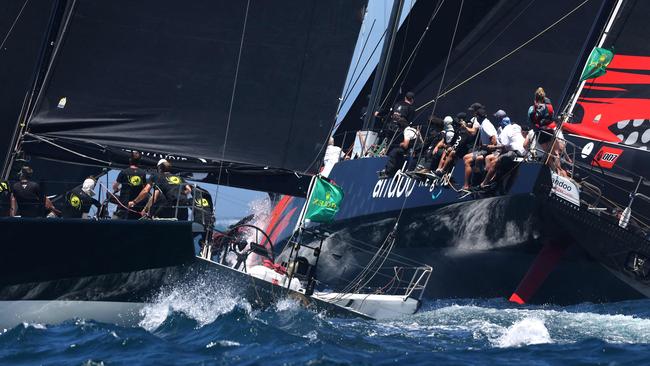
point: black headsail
(250, 84)
(482, 67)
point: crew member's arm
(50, 207)
(404, 144)
(12, 208)
(472, 130)
(141, 196)
(187, 189)
(439, 145)
(116, 187)
(493, 143)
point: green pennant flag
(324, 201)
(597, 64)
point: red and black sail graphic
(616, 106)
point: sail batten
(159, 75)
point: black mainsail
(248, 84)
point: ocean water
(184, 328)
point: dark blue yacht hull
(479, 246)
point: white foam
(200, 301)
(288, 304)
(34, 325)
(223, 343)
(525, 332)
(512, 327)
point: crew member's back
(28, 195)
(130, 182)
(77, 202)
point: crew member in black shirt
(5, 199)
(29, 198)
(129, 184)
(399, 117)
(77, 202)
(170, 194)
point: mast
(574, 99)
(594, 33)
(382, 65)
(48, 50)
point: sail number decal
(606, 157)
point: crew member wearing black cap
(402, 113)
(129, 184)
(28, 198)
(487, 141)
(170, 195)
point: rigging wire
(356, 64)
(479, 54)
(401, 54)
(346, 96)
(411, 59)
(49, 141)
(505, 56)
(387, 246)
(442, 79)
(13, 24)
(232, 98)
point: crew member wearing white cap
(77, 202)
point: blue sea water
(191, 327)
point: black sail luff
(159, 76)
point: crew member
(77, 202)
(332, 156)
(129, 184)
(459, 146)
(5, 199)
(510, 146)
(487, 142)
(170, 195)
(398, 150)
(27, 197)
(402, 113)
(540, 116)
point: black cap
(476, 106)
(461, 115)
(410, 95)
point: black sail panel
(497, 58)
(160, 75)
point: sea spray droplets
(525, 332)
(201, 300)
(288, 304)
